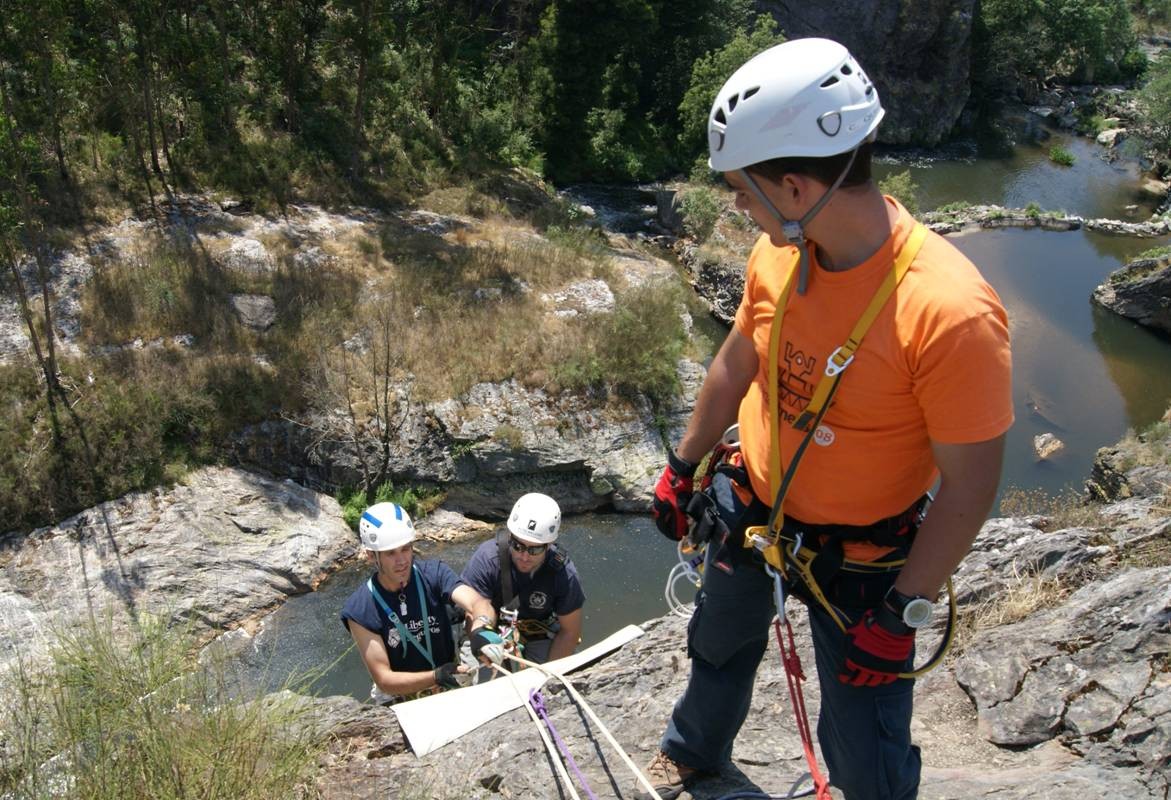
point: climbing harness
(785, 549)
(537, 701)
(404, 634)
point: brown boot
(668, 777)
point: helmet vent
(830, 81)
(732, 101)
(749, 92)
(846, 70)
(720, 118)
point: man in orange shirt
(924, 398)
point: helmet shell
(535, 518)
(802, 98)
(385, 526)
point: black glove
(445, 676)
(672, 494)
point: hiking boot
(668, 777)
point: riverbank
(1058, 686)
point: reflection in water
(1078, 371)
(1092, 187)
(1139, 363)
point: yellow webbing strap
(840, 359)
(835, 364)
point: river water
(1081, 373)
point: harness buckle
(832, 365)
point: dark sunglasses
(532, 549)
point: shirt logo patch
(538, 600)
(393, 639)
(824, 435)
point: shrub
(1155, 252)
(636, 347)
(701, 209)
(901, 187)
(118, 719)
(418, 501)
(1033, 211)
(1060, 156)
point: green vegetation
(701, 209)
(954, 208)
(123, 720)
(1060, 156)
(1155, 100)
(901, 187)
(1163, 251)
(598, 352)
(418, 501)
(1033, 211)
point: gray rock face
(1076, 672)
(221, 548)
(255, 311)
(1140, 291)
(917, 54)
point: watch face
(917, 613)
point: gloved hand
(672, 494)
(877, 649)
(445, 676)
(487, 646)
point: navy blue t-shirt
(547, 591)
(439, 580)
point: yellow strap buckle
(837, 362)
(769, 545)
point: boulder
(1140, 291)
(219, 549)
(255, 311)
(1046, 446)
(1111, 137)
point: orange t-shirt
(934, 366)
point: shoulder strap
(505, 568)
(835, 365)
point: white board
(433, 721)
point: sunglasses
(532, 549)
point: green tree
(1155, 103)
(708, 74)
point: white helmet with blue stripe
(385, 526)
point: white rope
(642, 779)
(684, 570)
(549, 746)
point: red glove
(672, 494)
(876, 654)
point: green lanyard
(393, 617)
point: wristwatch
(914, 610)
(484, 619)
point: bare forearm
(564, 643)
(718, 404)
(404, 683)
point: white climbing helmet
(535, 518)
(803, 98)
(385, 526)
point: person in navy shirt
(538, 578)
(399, 617)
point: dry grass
(1062, 511)
(1025, 595)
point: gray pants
(864, 732)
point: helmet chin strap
(794, 231)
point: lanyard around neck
(394, 620)
(827, 385)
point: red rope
(794, 676)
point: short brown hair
(826, 169)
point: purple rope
(538, 704)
